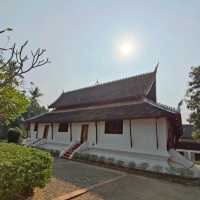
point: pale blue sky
(81, 38)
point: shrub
(157, 168)
(132, 165)
(93, 157)
(143, 166)
(85, 156)
(77, 155)
(171, 170)
(180, 171)
(190, 173)
(120, 163)
(14, 135)
(110, 161)
(185, 172)
(102, 159)
(196, 135)
(22, 169)
(55, 153)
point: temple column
(96, 132)
(70, 127)
(131, 139)
(52, 136)
(156, 126)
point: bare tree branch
(5, 63)
(16, 63)
(37, 60)
(4, 30)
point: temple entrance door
(84, 133)
(46, 130)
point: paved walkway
(80, 174)
(84, 190)
(134, 187)
(77, 176)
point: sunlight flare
(126, 48)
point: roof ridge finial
(156, 68)
(97, 82)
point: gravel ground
(54, 188)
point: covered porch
(125, 125)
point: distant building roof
(188, 144)
(115, 91)
(187, 130)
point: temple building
(120, 119)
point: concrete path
(134, 187)
(79, 192)
(129, 187)
(80, 174)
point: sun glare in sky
(127, 48)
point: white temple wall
(143, 134)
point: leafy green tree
(34, 108)
(13, 103)
(14, 64)
(193, 100)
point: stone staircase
(69, 152)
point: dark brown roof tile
(133, 87)
(134, 111)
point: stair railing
(42, 141)
(32, 143)
(82, 147)
(37, 142)
(68, 148)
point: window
(114, 127)
(36, 127)
(182, 153)
(46, 130)
(197, 156)
(63, 127)
(28, 127)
